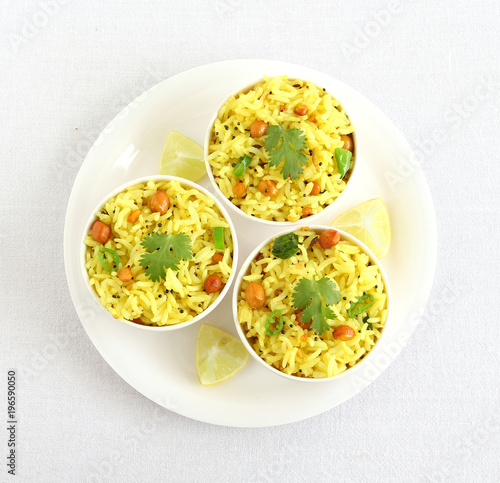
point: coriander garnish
(163, 252)
(286, 144)
(314, 296)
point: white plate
(161, 365)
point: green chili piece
(343, 157)
(271, 319)
(242, 165)
(219, 237)
(104, 261)
(361, 305)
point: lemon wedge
(369, 222)
(218, 355)
(182, 157)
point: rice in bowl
(181, 295)
(297, 349)
(279, 100)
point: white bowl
(246, 264)
(185, 183)
(236, 209)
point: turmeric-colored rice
(301, 352)
(181, 296)
(273, 101)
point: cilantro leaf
(286, 246)
(286, 144)
(313, 296)
(164, 251)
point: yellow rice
(323, 125)
(319, 356)
(180, 297)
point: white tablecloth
(67, 68)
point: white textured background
(432, 66)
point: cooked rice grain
(320, 356)
(180, 297)
(323, 125)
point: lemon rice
(296, 349)
(180, 296)
(274, 101)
